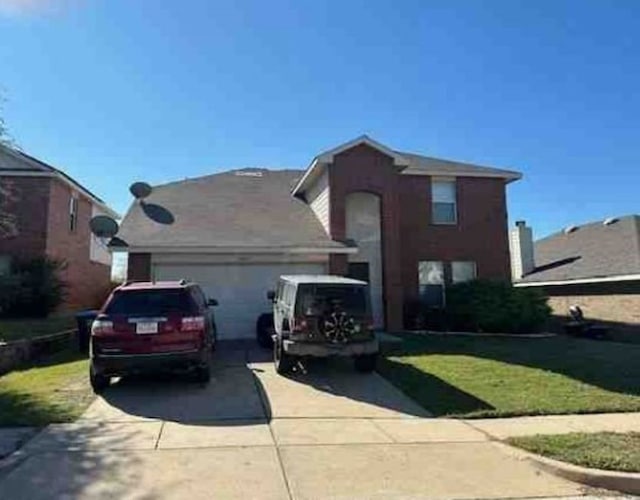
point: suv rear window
(327, 298)
(151, 302)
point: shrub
(498, 307)
(34, 288)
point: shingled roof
(250, 208)
(590, 251)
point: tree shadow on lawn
(610, 366)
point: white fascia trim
(327, 157)
(239, 250)
(606, 279)
(508, 176)
(72, 185)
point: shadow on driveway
(244, 388)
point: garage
(240, 289)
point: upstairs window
(431, 282)
(443, 201)
(73, 213)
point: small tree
(34, 288)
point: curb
(626, 482)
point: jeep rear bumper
(323, 350)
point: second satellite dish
(140, 190)
(103, 226)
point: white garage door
(241, 290)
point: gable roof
(17, 163)
(250, 209)
(592, 252)
(408, 163)
(426, 165)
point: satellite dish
(103, 226)
(140, 190)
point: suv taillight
(192, 324)
(102, 327)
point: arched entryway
(363, 226)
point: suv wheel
(365, 363)
(98, 381)
(203, 373)
(284, 362)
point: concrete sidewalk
(502, 428)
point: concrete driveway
(329, 433)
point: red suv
(150, 326)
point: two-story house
(407, 223)
(45, 213)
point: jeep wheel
(98, 381)
(365, 363)
(284, 362)
(264, 331)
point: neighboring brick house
(43, 212)
(408, 224)
(595, 266)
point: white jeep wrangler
(322, 316)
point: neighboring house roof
(248, 209)
(23, 164)
(591, 253)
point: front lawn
(602, 450)
(55, 390)
(14, 329)
(506, 376)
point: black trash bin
(84, 320)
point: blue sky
(115, 91)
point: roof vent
(610, 220)
(570, 229)
(248, 173)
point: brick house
(44, 212)
(594, 265)
(407, 223)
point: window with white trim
(462, 271)
(443, 201)
(73, 213)
(431, 282)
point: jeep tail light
(101, 327)
(299, 324)
(192, 324)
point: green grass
(493, 377)
(54, 391)
(14, 329)
(602, 450)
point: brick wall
(480, 235)
(24, 205)
(611, 302)
(88, 281)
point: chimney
(521, 249)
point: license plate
(146, 327)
